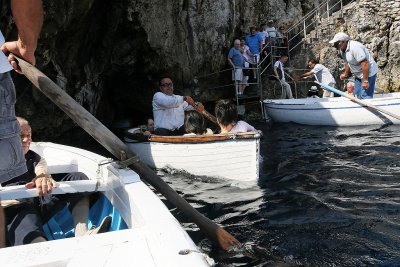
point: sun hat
(340, 36)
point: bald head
(26, 134)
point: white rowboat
(337, 111)
(143, 231)
(229, 156)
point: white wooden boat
(230, 156)
(143, 231)
(337, 111)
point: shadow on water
(326, 197)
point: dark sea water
(326, 197)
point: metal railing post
(327, 9)
(304, 31)
(341, 8)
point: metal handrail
(314, 15)
(302, 23)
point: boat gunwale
(140, 138)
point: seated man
(169, 109)
(24, 219)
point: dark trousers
(24, 221)
(166, 132)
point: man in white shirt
(359, 61)
(271, 32)
(28, 16)
(280, 75)
(323, 75)
(169, 109)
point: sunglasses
(169, 85)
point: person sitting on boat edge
(323, 75)
(359, 61)
(227, 117)
(195, 124)
(169, 109)
(25, 218)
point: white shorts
(237, 75)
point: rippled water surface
(326, 197)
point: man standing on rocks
(359, 61)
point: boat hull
(153, 236)
(232, 158)
(338, 111)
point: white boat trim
(338, 111)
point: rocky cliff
(375, 23)
(109, 55)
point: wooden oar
(113, 144)
(356, 100)
(208, 115)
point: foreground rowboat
(143, 231)
(229, 156)
(338, 111)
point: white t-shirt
(271, 31)
(278, 64)
(354, 54)
(246, 49)
(5, 66)
(169, 111)
(323, 74)
(242, 127)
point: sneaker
(102, 228)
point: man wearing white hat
(359, 61)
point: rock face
(376, 24)
(109, 55)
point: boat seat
(20, 191)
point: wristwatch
(366, 81)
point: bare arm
(28, 16)
(365, 72)
(276, 73)
(230, 62)
(307, 74)
(346, 72)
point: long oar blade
(356, 100)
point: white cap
(340, 36)
(314, 88)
